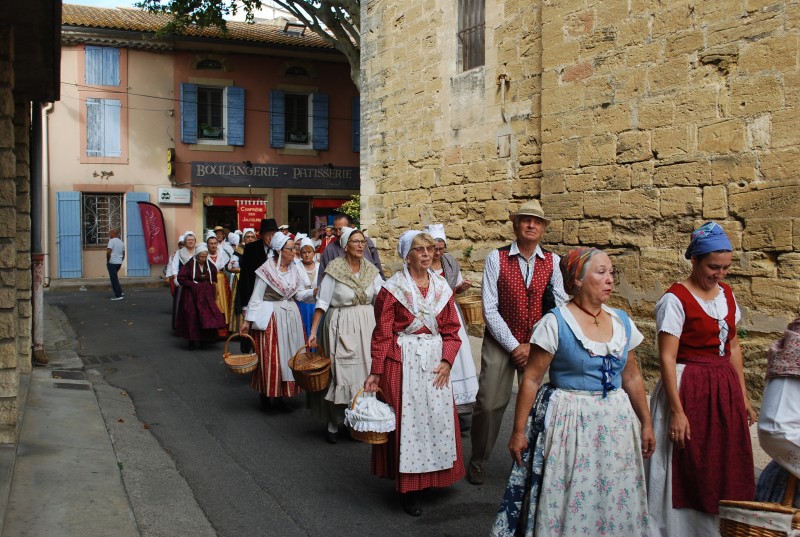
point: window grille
(471, 33)
(99, 214)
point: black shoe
(191, 345)
(475, 475)
(464, 423)
(203, 345)
(264, 400)
(281, 405)
(331, 438)
(411, 503)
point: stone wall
(15, 261)
(632, 120)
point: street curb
(103, 283)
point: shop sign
(175, 196)
(275, 176)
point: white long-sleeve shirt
(491, 272)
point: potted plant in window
(210, 131)
(298, 137)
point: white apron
(427, 429)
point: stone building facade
(633, 121)
(29, 55)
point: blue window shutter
(68, 238)
(235, 115)
(188, 113)
(112, 127)
(135, 249)
(102, 66)
(277, 118)
(356, 124)
(319, 103)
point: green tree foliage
(337, 22)
(352, 209)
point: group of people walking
(589, 455)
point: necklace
(587, 312)
(425, 283)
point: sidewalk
(70, 479)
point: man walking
(253, 257)
(334, 249)
(115, 254)
(515, 278)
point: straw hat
(530, 208)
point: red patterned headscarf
(783, 357)
(572, 266)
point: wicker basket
(760, 519)
(472, 307)
(240, 364)
(369, 437)
(312, 370)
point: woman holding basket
(277, 327)
(413, 348)
(345, 298)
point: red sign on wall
(250, 213)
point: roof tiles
(134, 20)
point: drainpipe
(46, 191)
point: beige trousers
(494, 392)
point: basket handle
(253, 341)
(316, 351)
(360, 392)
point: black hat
(267, 225)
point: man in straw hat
(518, 280)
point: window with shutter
(103, 127)
(102, 66)
(212, 114)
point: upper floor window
(296, 70)
(102, 66)
(298, 119)
(209, 65)
(210, 113)
(103, 127)
(471, 33)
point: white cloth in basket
(370, 414)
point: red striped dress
(391, 318)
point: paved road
(254, 473)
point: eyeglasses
(422, 249)
(357, 243)
(439, 250)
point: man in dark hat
(253, 257)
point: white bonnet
(436, 231)
(404, 244)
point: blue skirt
(307, 314)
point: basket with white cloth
(370, 419)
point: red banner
(250, 213)
(155, 235)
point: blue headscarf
(708, 238)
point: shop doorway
(299, 214)
(221, 216)
(224, 211)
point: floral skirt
(593, 476)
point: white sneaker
(118, 298)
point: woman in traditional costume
(779, 418)
(198, 314)
(700, 407)
(181, 257)
(414, 344)
(235, 268)
(168, 270)
(305, 248)
(345, 299)
(220, 260)
(579, 442)
(272, 307)
(463, 377)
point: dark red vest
(700, 336)
(519, 307)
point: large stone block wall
(632, 120)
(15, 261)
